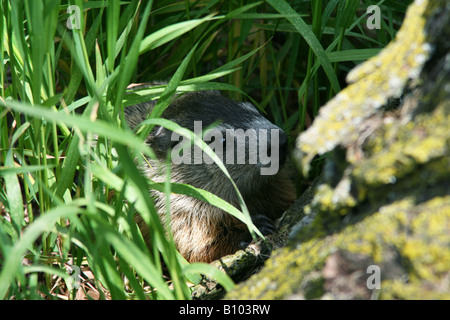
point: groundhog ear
(250, 107)
(160, 130)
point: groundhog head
(253, 151)
(252, 148)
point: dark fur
(201, 231)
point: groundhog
(203, 232)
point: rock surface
(377, 225)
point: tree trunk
(378, 225)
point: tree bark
(377, 224)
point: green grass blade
(169, 33)
(12, 185)
(352, 55)
(296, 20)
(112, 17)
(128, 65)
(134, 256)
(13, 261)
(98, 127)
(202, 268)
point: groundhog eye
(174, 143)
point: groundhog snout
(283, 147)
(280, 142)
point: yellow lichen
(400, 226)
(399, 150)
(391, 206)
(412, 291)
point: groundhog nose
(282, 144)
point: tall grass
(69, 187)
